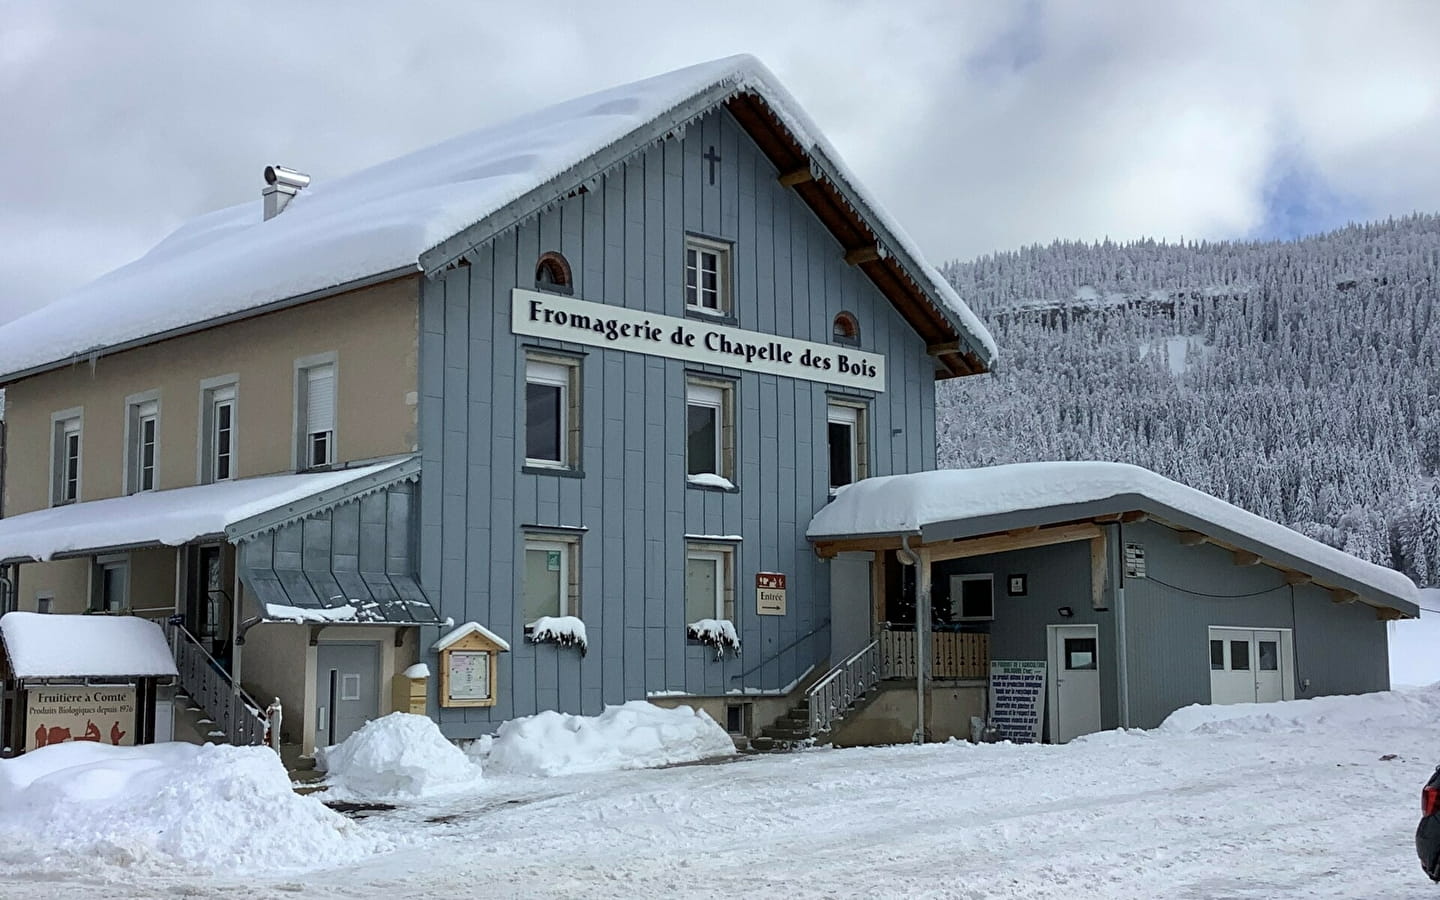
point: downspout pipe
(1122, 645)
(909, 557)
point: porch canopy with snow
(315, 550)
(1056, 544)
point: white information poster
(1017, 699)
(469, 675)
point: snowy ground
(1291, 801)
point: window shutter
(320, 399)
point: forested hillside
(1299, 380)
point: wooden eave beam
(1388, 614)
(867, 253)
(828, 549)
(796, 176)
(944, 348)
(1339, 595)
(1245, 558)
(1192, 539)
(1296, 578)
(962, 548)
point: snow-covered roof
(468, 628)
(55, 646)
(952, 503)
(171, 518)
(384, 219)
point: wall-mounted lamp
(1065, 612)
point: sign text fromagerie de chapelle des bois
(692, 340)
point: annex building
(590, 406)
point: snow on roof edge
(388, 216)
(461, 631)
(906, 504)
(43, 645)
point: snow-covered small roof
(55, 646)
(385, 219)
(956, 503)
(169, 518)
(449, 638)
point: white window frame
(303, 435)
(119, 561)
(63, 424)
(569, 547)
(141, 409)
(724, 558)
(957, 596)
(214, 393)
(719, 396)
(562, 372)
(853, 414)
(44, 602)
(721, 251)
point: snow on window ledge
(567, 631)
(717, 633)
(710, 480)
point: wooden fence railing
(952, 654)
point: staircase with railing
(826, 702)
(233, 711)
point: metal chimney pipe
(281, 184)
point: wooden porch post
(922, 638)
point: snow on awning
(958, 503)
(165, 518)
(56, 646)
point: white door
(1074, 682)
(1250, 665)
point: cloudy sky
(983, 126)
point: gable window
(845, 424)
(552, 415)
(65, 457)
(44, 603)
(710, 432)
(846, 329)
(552, 273)
(707, 276)
(110, 586)
(316, 390)
(217, 435)
(552, 586)
(142, 427)
(972, 598)
(709, 590)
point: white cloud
(983, 126)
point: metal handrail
(207, 682)
(840, 688)
(776, 655)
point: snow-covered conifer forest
(1299, 380)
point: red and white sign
(770, 593)
(57, 715)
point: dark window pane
(1080, 653)
(1269, 656)
(1239, 656)
(842, 465)
(976, 601)
(700, 447)
(542, 421)
(1217, 656)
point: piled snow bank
(636, 735)
(399, 756)
(1317, 714)
(214, 808)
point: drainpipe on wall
(1121, 644)
(921, 561)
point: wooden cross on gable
(711, 157)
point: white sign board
(469, 674)
(1134, 561)
(770, 594)
(58, 715)
(694, 340)
(1017, 699)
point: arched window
(847, 329)
(552, 273)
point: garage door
(1250, 665)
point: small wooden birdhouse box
(468, 665)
